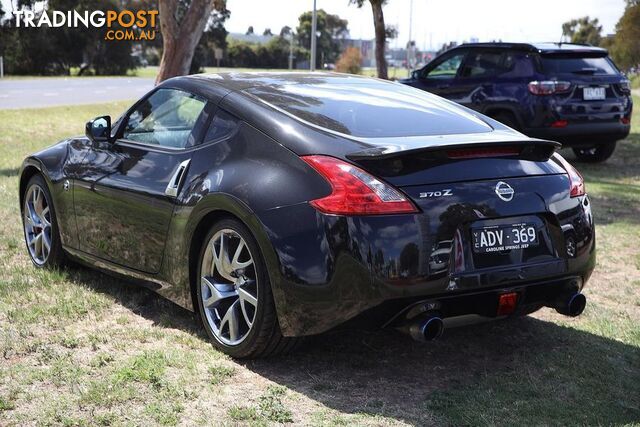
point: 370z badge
(439, 193)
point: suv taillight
(625, 86)
(576, 182)
(354, 191)
(548, 87)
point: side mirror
(99, 129)
(415, 74)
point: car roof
(548, 47)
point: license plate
(500, 238)
(591, 93)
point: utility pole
(291, 50)
(409, 46)
(1, 67)
(314, 19)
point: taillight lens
(576, 181)
(625, 86)
(548, 87)
(354, 191)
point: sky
(434, 21)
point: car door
(124, 195)
(440, 76)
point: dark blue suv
(570, 93)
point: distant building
(367, 50)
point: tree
(381, 34)
(349, 61)
(54, 51)
(182, 24)
(331, 28)
(267, 32)
(249, 30)
(625, 48)
(583, 30)
(285, 31)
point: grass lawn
(80, 348)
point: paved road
(46, 92)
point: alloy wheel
(228, 287)
(37, 224)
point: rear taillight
(354, 191)
(625, 86)
(625, 120)
(548, 87)
(576, 182)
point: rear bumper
(330, 269)
(576, 133)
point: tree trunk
(381, 38)
(179, 39)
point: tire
(595, 154)
(40, 219)
(235, 293)
(507, 119)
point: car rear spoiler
(529, 149)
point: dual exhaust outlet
(431, 327)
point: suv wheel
(595, 154)
(234, 294)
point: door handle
(442, 86)
(176, 179)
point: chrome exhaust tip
(427, 329)
(572, 306)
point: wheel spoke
(46, 244)
(221, 259)
(247, 297)
(232, 320)
(216, 294)
(37, 245)
(43, 216)
(236, 264)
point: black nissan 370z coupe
(284, 205)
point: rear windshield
(574, 64)
(371, 110)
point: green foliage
(331, 29)
(349, 61)
(273, 54)
(625, 46)
(583, 30)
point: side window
(447, 69)
(483, 64)
(518, 64)
(222, 125)
(166, 118)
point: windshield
(577, 64)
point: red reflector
(625, 120)
(507, 303)
(482, 152)
(559, 124)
